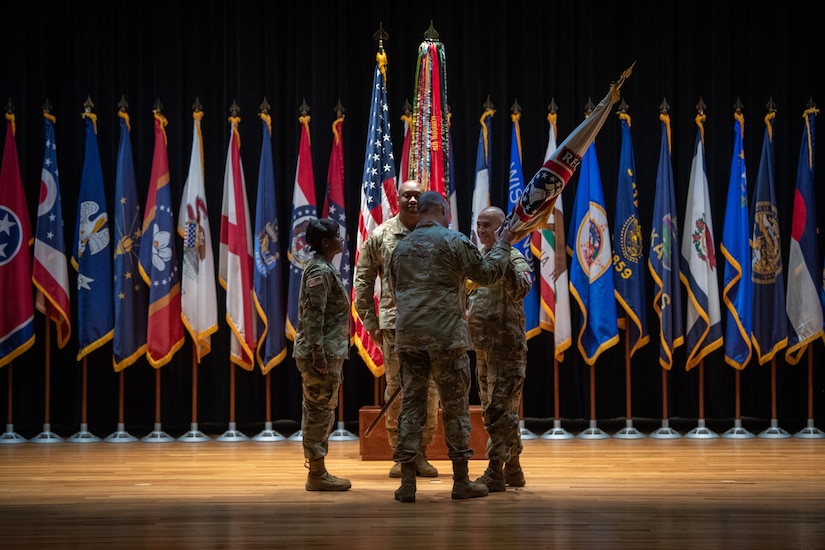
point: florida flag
(199, 301)
(699, 271)
(17, 321)
(481, 189)
(159, 265)
(235, 266)
(50, 272)
(304, 210)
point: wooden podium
(377, 445)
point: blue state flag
(271, 349)
(591, 278)
(663, 259)
(92, 252)
(770, 325)
(628, 248)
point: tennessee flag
(334, 207)
(131, 293)
(737, 292)
(17, 321)
(235, 266)
(770, 324)
(304, 210)
(481, 189)
(699, 273)
(92, 251)
(663, 260)
(159, 260)
(199, 301)
(379, 200)
(628, 248)
(804, 284)
(50, 272)
(591, 280)
(271, 350)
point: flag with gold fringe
(481, 188)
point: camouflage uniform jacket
(428, 273)
(323, 313)
(496, 312)
(373, 260)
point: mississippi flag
(199, 301)
(379, 200)
(92, 252)
(235, 271)
(131, 294)
(481, 188)
(17, 321)
(50, 272)
(159, 259)
(304, 210)
(334, 201)
(804, 284)
(271, 350)
(699, 273)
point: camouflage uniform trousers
(451, 371)
(392, 374)
(320, 399)
(500, 383)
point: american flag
(379, 199)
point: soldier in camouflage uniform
(428, 273)
(373, 259)
(321, 345)
(496, 318)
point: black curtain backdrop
(323, 52)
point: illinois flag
(628, 248)
(591, 279)
(698, 265)
(131, 294)
(379, 201)
(235, 265)
(159, 261)
(770, 324)
(198, 300)
(304, 210)
(334, 207)
(804, 285)
(50, 272)
(737, 291)
(554, 314)
(271, 349)
(17, 321)
(481, 187)
(663, 259)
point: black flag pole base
(629, 431)
(194, 435)
(557, 432)
(737, 432)
(232, 434)
(297, 436)
(525, 433)
(120, 435)
(665, 431)
(342, 434)
(47, 436)
(701, 432)
(157, 435)
(83, 435)
(593, 432)
(774, 431)
(810, 431)
(10, 436)
(268, 434)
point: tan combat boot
(423, 467)
(513, 474)
(462, 486)
(318, 479)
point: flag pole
(120, 435)
(268, 433)
(628, 432)
(774, 431)
(810, 431)
(556, 432)
(593, 431)
(232, 433)
(665, 431)
(157, 435)
(194, 434)
(701, 431)
(10, 436)
(83, 436)
(737, 431)
(47, 435)
(341, 433)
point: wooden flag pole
(556, 432)
(341, 433)
(84, 436)
(47, 436)
(774, 431)
(232, 433)
(701, 431)
(10, 436)
(737, 431)
(665, 431)
(593, 431)
(194, 434)
(628, 432)
(268, 433)
(810, 431)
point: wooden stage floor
(580, 494)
